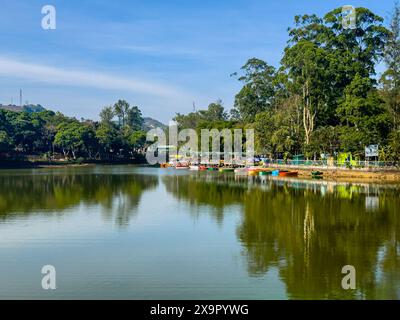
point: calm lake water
(128, 232)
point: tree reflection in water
(308, 230)
(52, 192)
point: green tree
(308, 69)
(121, 108)
(277, 131)
(108, 137)
(356, 50)
(394, 145)
(391, 77)
(137, 140)
(258, 91)
(5, 141)
(324, 140)
(363, 114)
(72, 137)
(134, 118)
(215, 112)
(107, 114)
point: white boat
(194, 168)
(182, 167)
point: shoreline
(381, 175)
(15, 165)
(344, 174)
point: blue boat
(275, 173)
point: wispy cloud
(85, 78)
(159, 51)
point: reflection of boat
(288, 173)
(253, 171)
(317, 177)
(258, 169)
(194, 167)
(241, 172)
(317, 174)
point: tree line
(118, 135)
(325, 97)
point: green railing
(335, 163)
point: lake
(128, 232)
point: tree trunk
(308, 116)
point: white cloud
(86, 78)
(161, 51)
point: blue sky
(161, 55)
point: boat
(182, 167)
(226, 169)
(202, 168)
(196, 168)
(288, 173)
(275, 173)
(252, 172)
(164, 165)
(265, 173)
(318, 177)
(317, 173)
(256, 168)
(212, 168)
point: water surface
(125, 232)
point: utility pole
(20, 98)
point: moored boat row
(250, 171)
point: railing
(352, 164)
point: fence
(353, 164)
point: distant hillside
(150, 123)
(27, 108)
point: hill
(27, 108)
(150, 123)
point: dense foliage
(47, 133)
(325, 97)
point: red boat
(288, 173)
